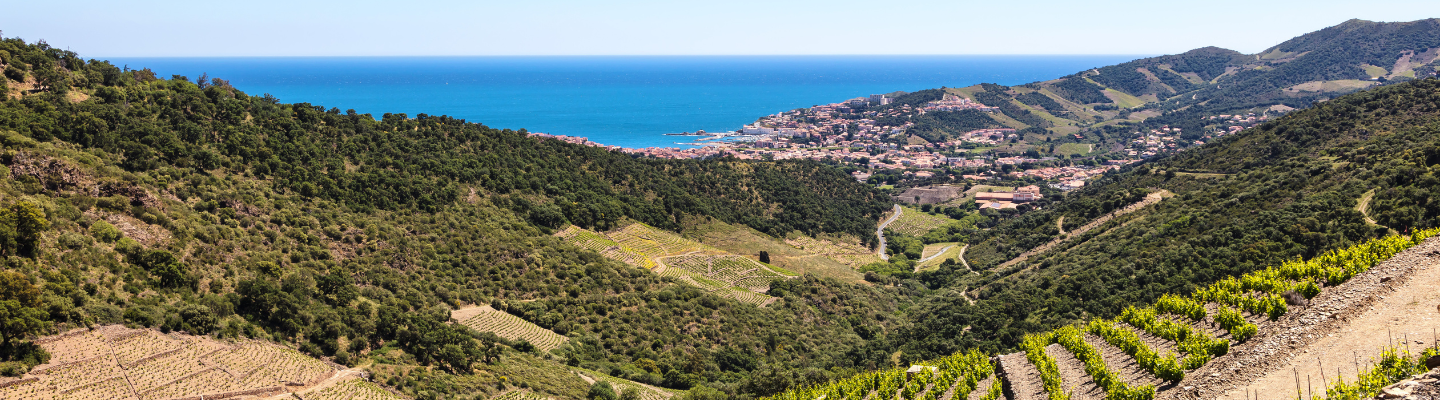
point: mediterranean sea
(629, 101)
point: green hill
(194, 206)
(1287, 189)
(1178, 90)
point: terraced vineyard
(732, 276)
(520, 394)
(605, 246)
(641, 245)
(114, 362)
(850, 253)
(955, 377)
(352, 388)
(635, 244)
(486, 319)
(645, 392)
(914, 222)
(1150, 350)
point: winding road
(881, 233)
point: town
(848, 134)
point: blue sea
(629, 101)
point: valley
(164, 238)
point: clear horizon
(447, 28)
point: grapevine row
(1072, 338)
(1259, 293)
(1163, 366)
(1393, 365)
(1198, 347)
(962, 370)
(1034, 347)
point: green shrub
(105, 232)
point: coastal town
(849, 134)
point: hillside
(1106, 104)
(193, 206)
(1288, 189)
(1243, 337)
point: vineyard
(849, 252)
(348, 389)
(914, 222)
(637, 244)
(1146, 350)
(645, 392)
(732, 276)
(486, 319)
(520, 394)
(955, 377)
(114, 362)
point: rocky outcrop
(1424, 386)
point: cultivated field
(114, 362)
(848, 252)
(636, 244)
(352, 388)
(486, 319)
(914, 222)
(646, 392)
(730, 276)
(689, 261)
(937, 253)
(519, 394)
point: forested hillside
(1289, 188)
(195, 206)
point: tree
(18, 321)
(601, 391)
(764, 256)
(630, 393)
(16, 286)
(20, 229)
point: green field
(1074, 148)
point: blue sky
(645, 27)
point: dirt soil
(1342, 328)
(1022, 380)
(1072, 375)
(1122, 364)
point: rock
(1393, 393)
(1386, 279)
(1432, 362)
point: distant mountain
(1179, 89)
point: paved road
(881, 233)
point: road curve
(881, 233)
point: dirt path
(1394, 302)
(880, 232)
(1152, 198)
(1363, 206)
(1022, 380)
(961, 257)
(1060, 224)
